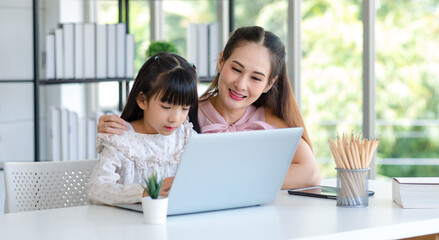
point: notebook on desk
(230, 170)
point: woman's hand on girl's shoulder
(112, 124)
(274, 120)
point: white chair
(44, 185)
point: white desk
(289, 217)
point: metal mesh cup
(352, 187)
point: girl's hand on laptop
(166, 186)
(112, 124)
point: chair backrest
(44, 185)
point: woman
(250, 92)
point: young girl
(157, 116)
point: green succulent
(153, 186)
(160, 46)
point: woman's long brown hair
(280, 99)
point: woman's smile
(236, 96)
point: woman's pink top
(212, 122)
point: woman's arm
(303, 171)
(112, 124)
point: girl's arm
(112, 124)
(303, 171)
(103, 186)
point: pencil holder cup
(352, 187)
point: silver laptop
(231, 170)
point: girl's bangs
(180, 88)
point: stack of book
(70, 136)
(416, 192)
(203, 47)
(90, 51)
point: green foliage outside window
(406, 70)
(407, 75)
(178, 14)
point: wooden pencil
(356, 153)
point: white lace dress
(123, 160)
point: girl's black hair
(169, 76)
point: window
(179, 13)
(406, 70)
(272, 16)
(331, 77)
(139, 26)
(407, 83)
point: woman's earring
(266, 91)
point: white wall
(2, 192)
(16, 63)
(16, 39)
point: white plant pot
(155, 210)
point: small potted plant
(155, 207)
(160, 46)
